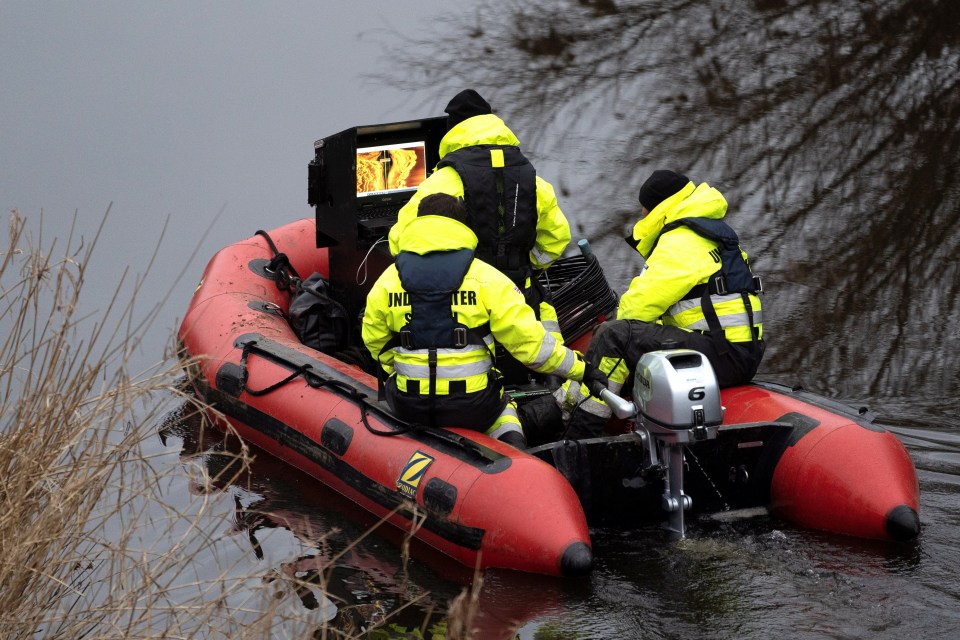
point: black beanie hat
(466, 104)
(661, 184)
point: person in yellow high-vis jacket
(514, 212)
(431, 320)
(695, 291)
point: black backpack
(318, 320)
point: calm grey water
(833, 129)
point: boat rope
(360, 399)
(284, 275)
(726, 507)
(299, 371)
(316, 381)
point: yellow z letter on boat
(412, 474)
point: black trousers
(734, 363)
(475, 411)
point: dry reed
(95, 539)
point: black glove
(594, 379)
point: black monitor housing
(355, 213)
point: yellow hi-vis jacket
(683, 259)
(486, 297)
(553, 230)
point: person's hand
(594, 379)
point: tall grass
(71, 427)
(97, 539)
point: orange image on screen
(388, 169)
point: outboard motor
(677, 401)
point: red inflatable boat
(806, 459)
(838, 471)
(485, 503)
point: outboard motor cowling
(677, 389)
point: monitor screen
(390, 168)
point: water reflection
(355, 574)
(831, 127)
(750, 577)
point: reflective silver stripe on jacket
(726, 321)
(541, 256)
(487, 340)
(546, 350)
(569, 359)
(551, 326)
(444, 371)
(503, 429)
(592, 405)
(507, 421)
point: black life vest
(502, 204)
(734, 275)
(430, 281)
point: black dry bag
(318, 320)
